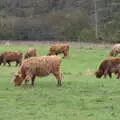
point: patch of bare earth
(88, 72)
(36, 42)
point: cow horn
(18, 74)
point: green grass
(82, 96)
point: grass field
(82, 96)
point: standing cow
(38, 66)
(59, 48)
(11, 56)
(107, 67)
(30, 53)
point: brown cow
(11, 56)
(30, 53)
(107, 67)
(59, 48)
(38, 66)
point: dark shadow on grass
(105, 108)
(41, 84)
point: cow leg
(56, 53)
(118, 75)
(32, 81)
(116, 53)
(26, 81)
(4, 62)
(28, 77)
(110, 75)
(58, 77)
(9, 63)
(17, 62)
(68, 52)
(105, 73)
(65, 54)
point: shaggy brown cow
(107, 67)
(115, 50)
(38, 66)
(30, 53)
(11, 56)
(59, 48)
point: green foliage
(110, 31)
(71, 20)
(87, 35)
(5, 29)
(76, 22)
(43, 19)
(60, 25)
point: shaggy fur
(11, 56)
(59, 48)
(38, 66)
(107, 67)
(30, 53)
(115, 50)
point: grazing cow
(11, 56)
(30, 53)
(107, 67)
(115, 50)
(38, 66)
(59, 48)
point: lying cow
(107, 67)
(30, 53)
(38, 66)
(11, 56)
(59, 48)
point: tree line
(70, 20)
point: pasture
(81, 97)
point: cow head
(18, 80)
(98, 74)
